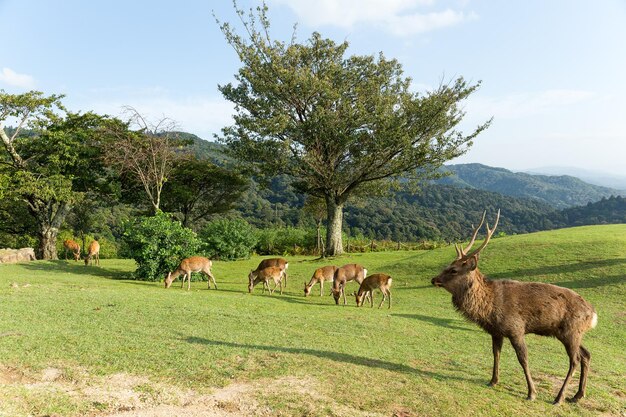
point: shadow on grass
(340, 358)
(449, 323)
(77, 268)
(594, 282)
(568, 268)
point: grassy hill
(558, 191)
(78, 340)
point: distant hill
(592, 177)
(557, 191)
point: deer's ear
(472, 262)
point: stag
(511, 309)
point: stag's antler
(460, 252)
(487, 238)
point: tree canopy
(336, 124)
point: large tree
(52, 163)
(336, 124)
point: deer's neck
(475, 299)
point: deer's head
(168, 280)
(251, 277)
(307, 289)
(461, 271)
(337, 294)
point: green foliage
(228, 239)
(158, 244)
(285, 240)
(198, 189)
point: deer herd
(503, 308)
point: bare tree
(146, 151)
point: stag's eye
(453, 271)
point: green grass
(419, 358)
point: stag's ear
(472, 262)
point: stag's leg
(343, 291)
(189, 281)
(496, 347)
(522, 356)
(322, 288)
(573, 351)
(585, 359)
(389, 295)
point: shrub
(158, 244)
(228, 239)
(285, 241)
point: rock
(11, 256)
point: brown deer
(93, 253)
(349, 272)
(73, 247)
(369, 284)
(325, 273)
(277, 262)
(511, 309)
(264, 275)
(189, 265)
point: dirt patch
(125, 395)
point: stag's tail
(594, 320)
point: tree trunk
(334, 243)
(48, 243)
(50, 216)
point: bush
(285, 241)
(228, 239)
(158, 244)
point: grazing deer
(73, 247)
(277, 262)
(511, 309)
(325, 273)
(349, 272)
(369, 284)
(93, 252)
(189, 265)
(264, 275)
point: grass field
(77, 340)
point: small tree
(336, 124)
(158, 244)
(146, 151)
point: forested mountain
(558, 191)
(445, 209)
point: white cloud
(398, 17)
(15, 79)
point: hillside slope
(558, 191)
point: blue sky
(553, 72)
